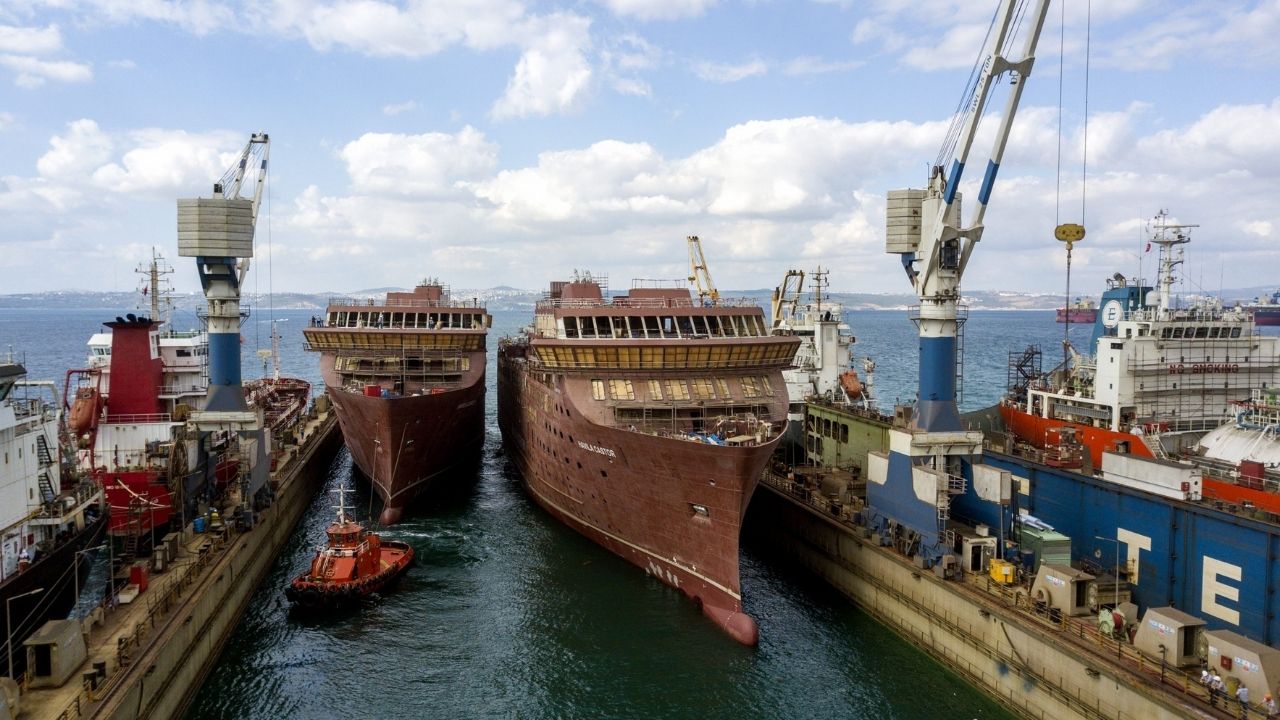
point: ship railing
(657, 302)
(139, 418)
(184, 388)
(367, 302)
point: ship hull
(1269, 317)
(405, 444)
(52, 588)
(1078, 316)
(1035, 430)
(671, 507)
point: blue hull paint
(936, 409)
(1185, 540)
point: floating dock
(149, 653)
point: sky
(501, 142)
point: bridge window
(1177, 333)
(604, 327)
(1202, 333)
(597, 389)
(655, 390)
(621, 390)
(669, 327)
(713, 327)
(571, 327)
(702, 389)
(723, 387)
(749, 387)
(1235, 332)
(766, 386)
(677, 390)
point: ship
(407, 379)
(1160, 376)
(643, 421)
(822, 368)
(1265, 309)
(49, 516)
(1083, 310)
(353, 564)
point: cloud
(426, 164)
(30, 40)
(165, 163)
(123, 64)
(728, 72)
(399, 108)
(7, 120)
(33, 72)
(623, 58)
(809, 65)
(658, 9)
(553, 75)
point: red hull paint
(404, 443)
(634, 493)
(1034, 430)
(1240, 494)
(1078, 316)
(147, 489)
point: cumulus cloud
(399, 108)
(658, 9)
(30, 40)
(809, 65)
(553, 74)
(32, 72)
(430, 163)
(730, 72)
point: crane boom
(936, 248)
(701, 277)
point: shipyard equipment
(910, 489)
(700, 276)
(1171, 636)
(1247, 662)
(1064, 588)
(218, 232)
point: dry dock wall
(1027, 668)
(166, 674)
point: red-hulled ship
(1083, 310)
(406, 378)
(643, 422)
(355, 563)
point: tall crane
(700, 276)
(931, 462)
(218, 232)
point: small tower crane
(701, 277)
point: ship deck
(121, 633)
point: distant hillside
(509, 298)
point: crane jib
(953, 182)
(988, 180)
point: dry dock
(1034, 665)
(152, 653)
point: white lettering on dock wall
(1211, 588)
(1134, 544)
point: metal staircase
(48, 493)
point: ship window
(1202, 333)
(1177, 333)
(604, 327)
(699, 324)
(655, 390)
(702, 389)
(636, 325)
(677, 390)
(684, 324)
(651, 327)
(749, 387)
(844, 432)
(668, 327)
(723, 388)
(621, 390)
(620, 327)
(1213, 333)
(713, 327)
(571, 327)
(1164, 333)
(768, 386)
(1235, 332)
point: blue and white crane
(910, 488)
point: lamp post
(1115, 589)
(76, 571)
(8, 625)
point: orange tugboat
(355, 563)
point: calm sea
(509, 614)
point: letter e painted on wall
(1212, 588)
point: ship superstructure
(643, 422)
(823, 364)
(1160, 375)
(406, 377)
(46, 515)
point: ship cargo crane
(218, 232)
(700, 276)
(935, 460)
